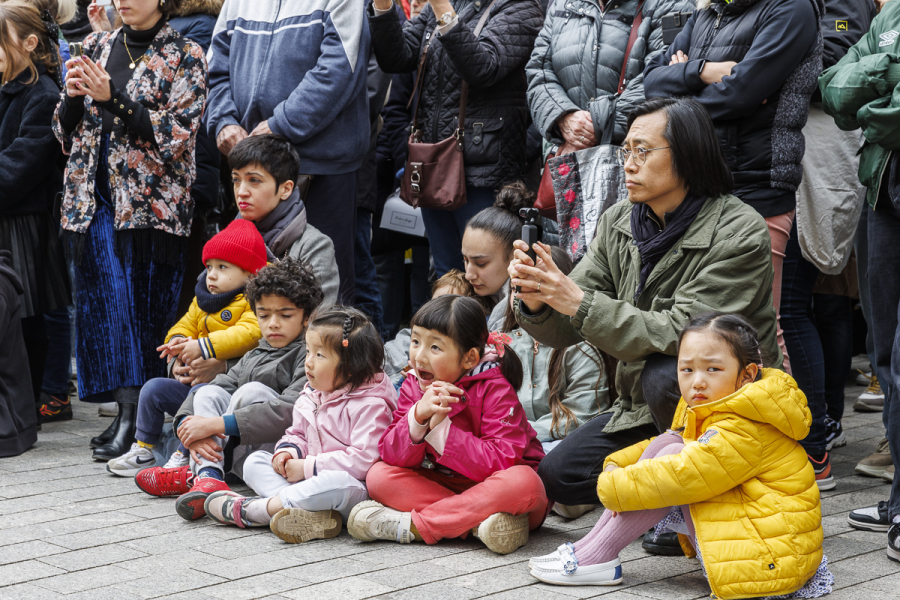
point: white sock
(258, 511)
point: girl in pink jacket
(460, 455)
(317, 473)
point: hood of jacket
(775, 399)
(199, 7)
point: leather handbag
(546, 201)
(435, 176)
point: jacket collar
(267, 347)
(19, 83)
(699, 235)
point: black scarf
(212, 303)
(284, 225)
(653, 242)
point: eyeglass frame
(623, 154)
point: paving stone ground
(69, 529)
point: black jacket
(18, 420)
(30, 156)
(845, 22)
(761, 109)
(494, 66)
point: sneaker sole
(826, 484)
(190, 505)
(887, 477)
(871, 471)
(536, 575)
(863, 407)
(355, 530)
(660, 550)
(124, 472)
(867, 526)
(838, 442)
(507, 534)
(892, 554)
(295, 525)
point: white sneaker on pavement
(177, 460)
(131, 462)
(370, 521)
(502, 532)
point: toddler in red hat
(219, 325)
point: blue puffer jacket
(302, 67)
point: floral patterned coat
(150, 183)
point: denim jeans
(834, 322)
(802, 340)
(158, 397)
(445, 228)
(58, 366)
(368, 296)
(570, 472)
(884, 259)
(862, 269)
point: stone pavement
(69, 529)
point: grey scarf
(283, 226)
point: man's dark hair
(288, 278)
(696, 155)
(270, 152)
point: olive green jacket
(723, 263)
(583, 381)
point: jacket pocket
(482, 140)
(765, 555)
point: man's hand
(279, 461)
(714, 72)
(678, 57)
(294, 470)
(194, 428)
(228, 137)
(204, 370)
(206, 448)
(261, 129)
(543, 283)
(577, 129)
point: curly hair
(288, 278)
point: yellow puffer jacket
(229, 333)
(751, 489)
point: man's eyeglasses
(639, 154)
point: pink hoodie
(486, 432)
(340, 431)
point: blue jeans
(798, 277)
(862, 269)
(445, 228)
(58, 366)
(884, 260)
(368, 296)
(158, 396)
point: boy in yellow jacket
(743, 492)
(219, 326)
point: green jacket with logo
(861, 91)
(722, 263)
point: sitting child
(219, 325)
(317, 473)
(743, 489)
(459, 456)
(253, 400)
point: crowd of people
(191, 198)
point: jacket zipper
(715, 32)
(268, 49)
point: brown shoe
(889, 473)
(876, 464)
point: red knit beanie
(240, 244)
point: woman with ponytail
(31, 171)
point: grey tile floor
(69, 529)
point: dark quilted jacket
(494, 66)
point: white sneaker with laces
(131, 462)
(177, 460)
(370, 521)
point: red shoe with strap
(190, 504)
(165, 483)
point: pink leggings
(779, 232)
(615, 531)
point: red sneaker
(190, 504)
(165, 483)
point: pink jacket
(340, 431)
(486, 432)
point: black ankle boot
(123, 437)
(107, 434)
(666, 544)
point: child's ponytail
(510, 365)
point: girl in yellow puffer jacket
(733, 478)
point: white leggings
(327, 490)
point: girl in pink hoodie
(460, 455)
(317, 473)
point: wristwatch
(446, 19)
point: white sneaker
(108, 409)
(502, 532)
(131, 462)
(572, 511)
(370, 521)
(863, 377)
(553, 557)
(177, 460)
(571, 573)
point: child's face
(321, 363)
(486, 261)
(280, 320)
(23, 49)
(436, 358)
(256, 193)
(223, 277)
(707, 370)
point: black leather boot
(666, 544)
(123, 437)
(107, 434)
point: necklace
(131, 66)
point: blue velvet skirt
(126, 299)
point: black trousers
(570, 471)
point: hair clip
(345, 343)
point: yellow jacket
(751, 489)
(229, 333)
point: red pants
(447, 507)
